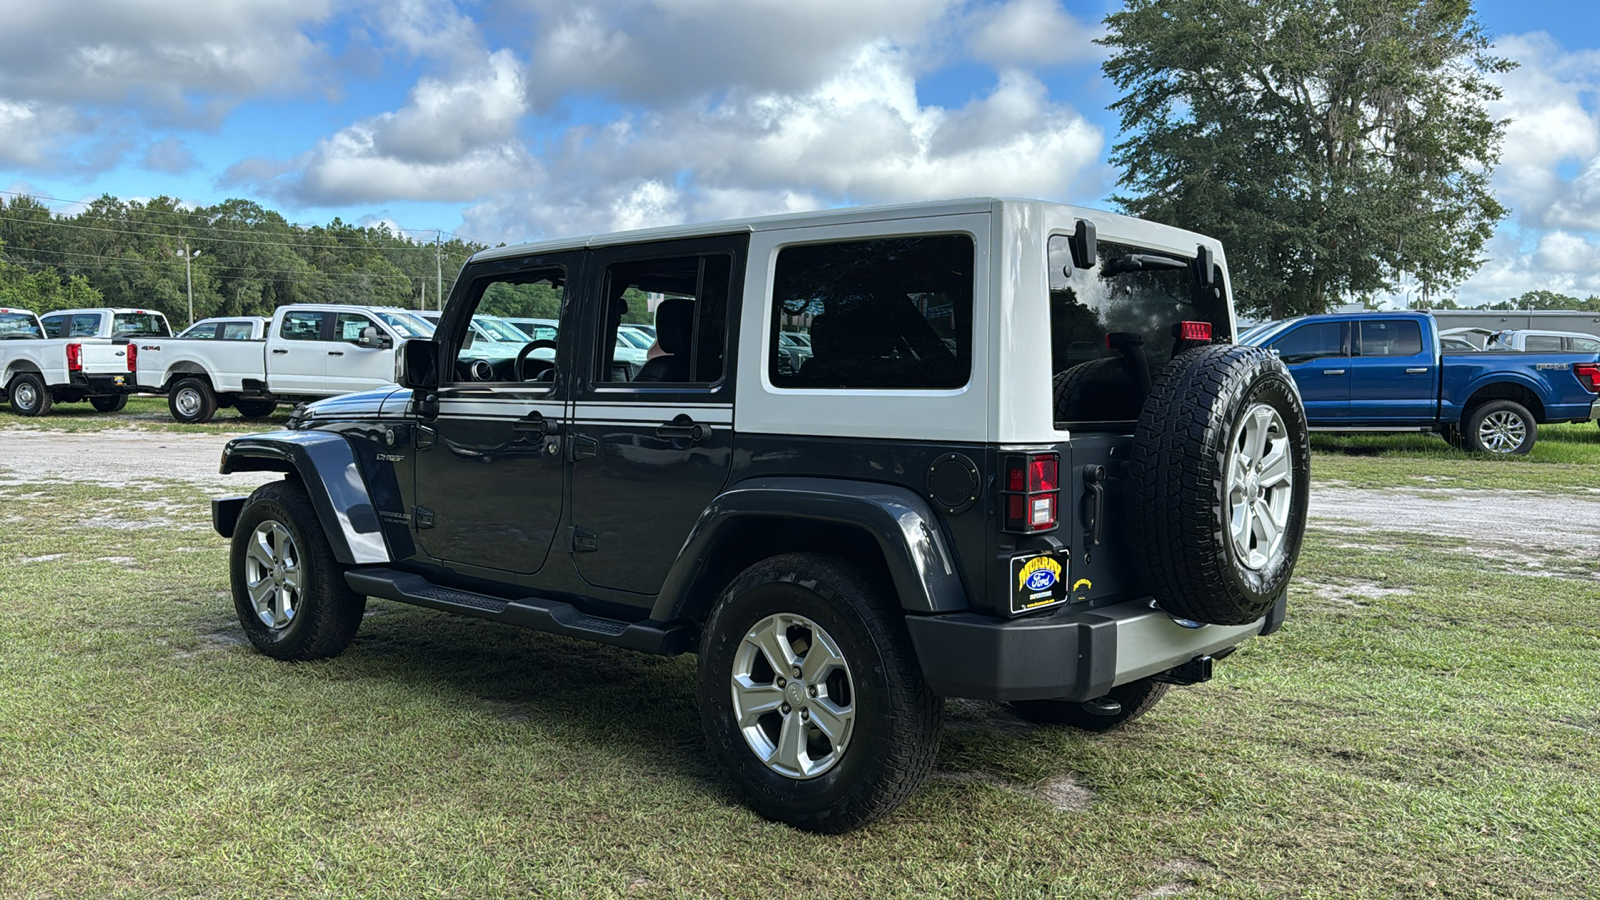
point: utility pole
(188, 276)
(438, 271)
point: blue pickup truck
(1384, 372)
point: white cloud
(1030, 32)
(1550, 126)
(169, 155)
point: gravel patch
(119, 459)
(1524, 520)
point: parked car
(845, 545)
(1457, 345)
(239, 328)
(1385, 371)
(535, 329)
(308, 351)
(85, 354)
(1543, 341)
(405, 322)
(1473, 335)
(19, 325)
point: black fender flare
(913, 546)
(326, 465)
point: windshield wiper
(1141, 262)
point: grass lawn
(1425, 726)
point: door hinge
(584, 447)
(423, 516)
(584, 541)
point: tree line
(250, 259)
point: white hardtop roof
(106, 309)
(783, 221)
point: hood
(360, 405)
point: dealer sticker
(1036, 582)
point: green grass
(142, 414)
(1425, 726)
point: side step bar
(536, 613)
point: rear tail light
(133, 357)
(1588, 376)
(74, 357)
(1194, 331)
(1032, 492)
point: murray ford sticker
(1037, 581)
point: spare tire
(1220, 478)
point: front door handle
(683, 428)
(533, 422)
(1421, 371)
(1333, 371)
(280, 350)
(335, 352)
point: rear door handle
(1333, 371)
(682, 427)
(335, 352)
(280, 350)
(1421, 371)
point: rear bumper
(104, 384)
(1071, 655)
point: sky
(515, 120)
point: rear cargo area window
(891, 313)
(1114, 326)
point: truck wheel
(255, 409)
(109, 403)
(1135, 697)
(192, 400)
(29, 396)
(288, 590)
(811, 694)
(1220, 478)
(1501, 427)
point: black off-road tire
(897, 717)
(328, 612)
(109, 403)
(1100, 390)
(1472, 435)
(1136, 698)
(36, 399)
(254, 409)
(192, 401)
(1177, 476)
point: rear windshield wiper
(1141, 262)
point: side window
(348, 327)
(891, 313)
(1311, 341)
(302, 325)
(491, 350)
(1585, 345)
(86, 325)
(1403, 338)
(1542, 343)
(235, 331)
(205, 331)
(686, 299)
(54, 326)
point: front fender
(326, 465)
(903, 525)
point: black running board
(552, 616)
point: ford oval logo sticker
(1041, 580)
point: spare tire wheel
(1220, 480)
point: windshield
(139, 323)
(500, 331)
(14, 326)
(407, 326)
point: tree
(1330, 144)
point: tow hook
(1195, 670)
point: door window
(1400, 338)
(348, 327)
(302, 325)
(686, 299)
(490, 351)
(1542, 343)
(236, 331)
(54, 326)
(84, 326)
(1585, 345)
(205, 330)
(1312, 341)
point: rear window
(138, 325)
(1114, 326)
(893, 313)
(1540, 343)
(17, 326)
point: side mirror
(416, 366)
(371, 338)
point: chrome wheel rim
(272, 574)
(1502, 432)
(188, 402)
(1260, 487)
(24, 395)
(793, 696)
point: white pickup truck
(309, 351)
(83, 354)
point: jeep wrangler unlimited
(1023, 462)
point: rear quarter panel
(1548, 375)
